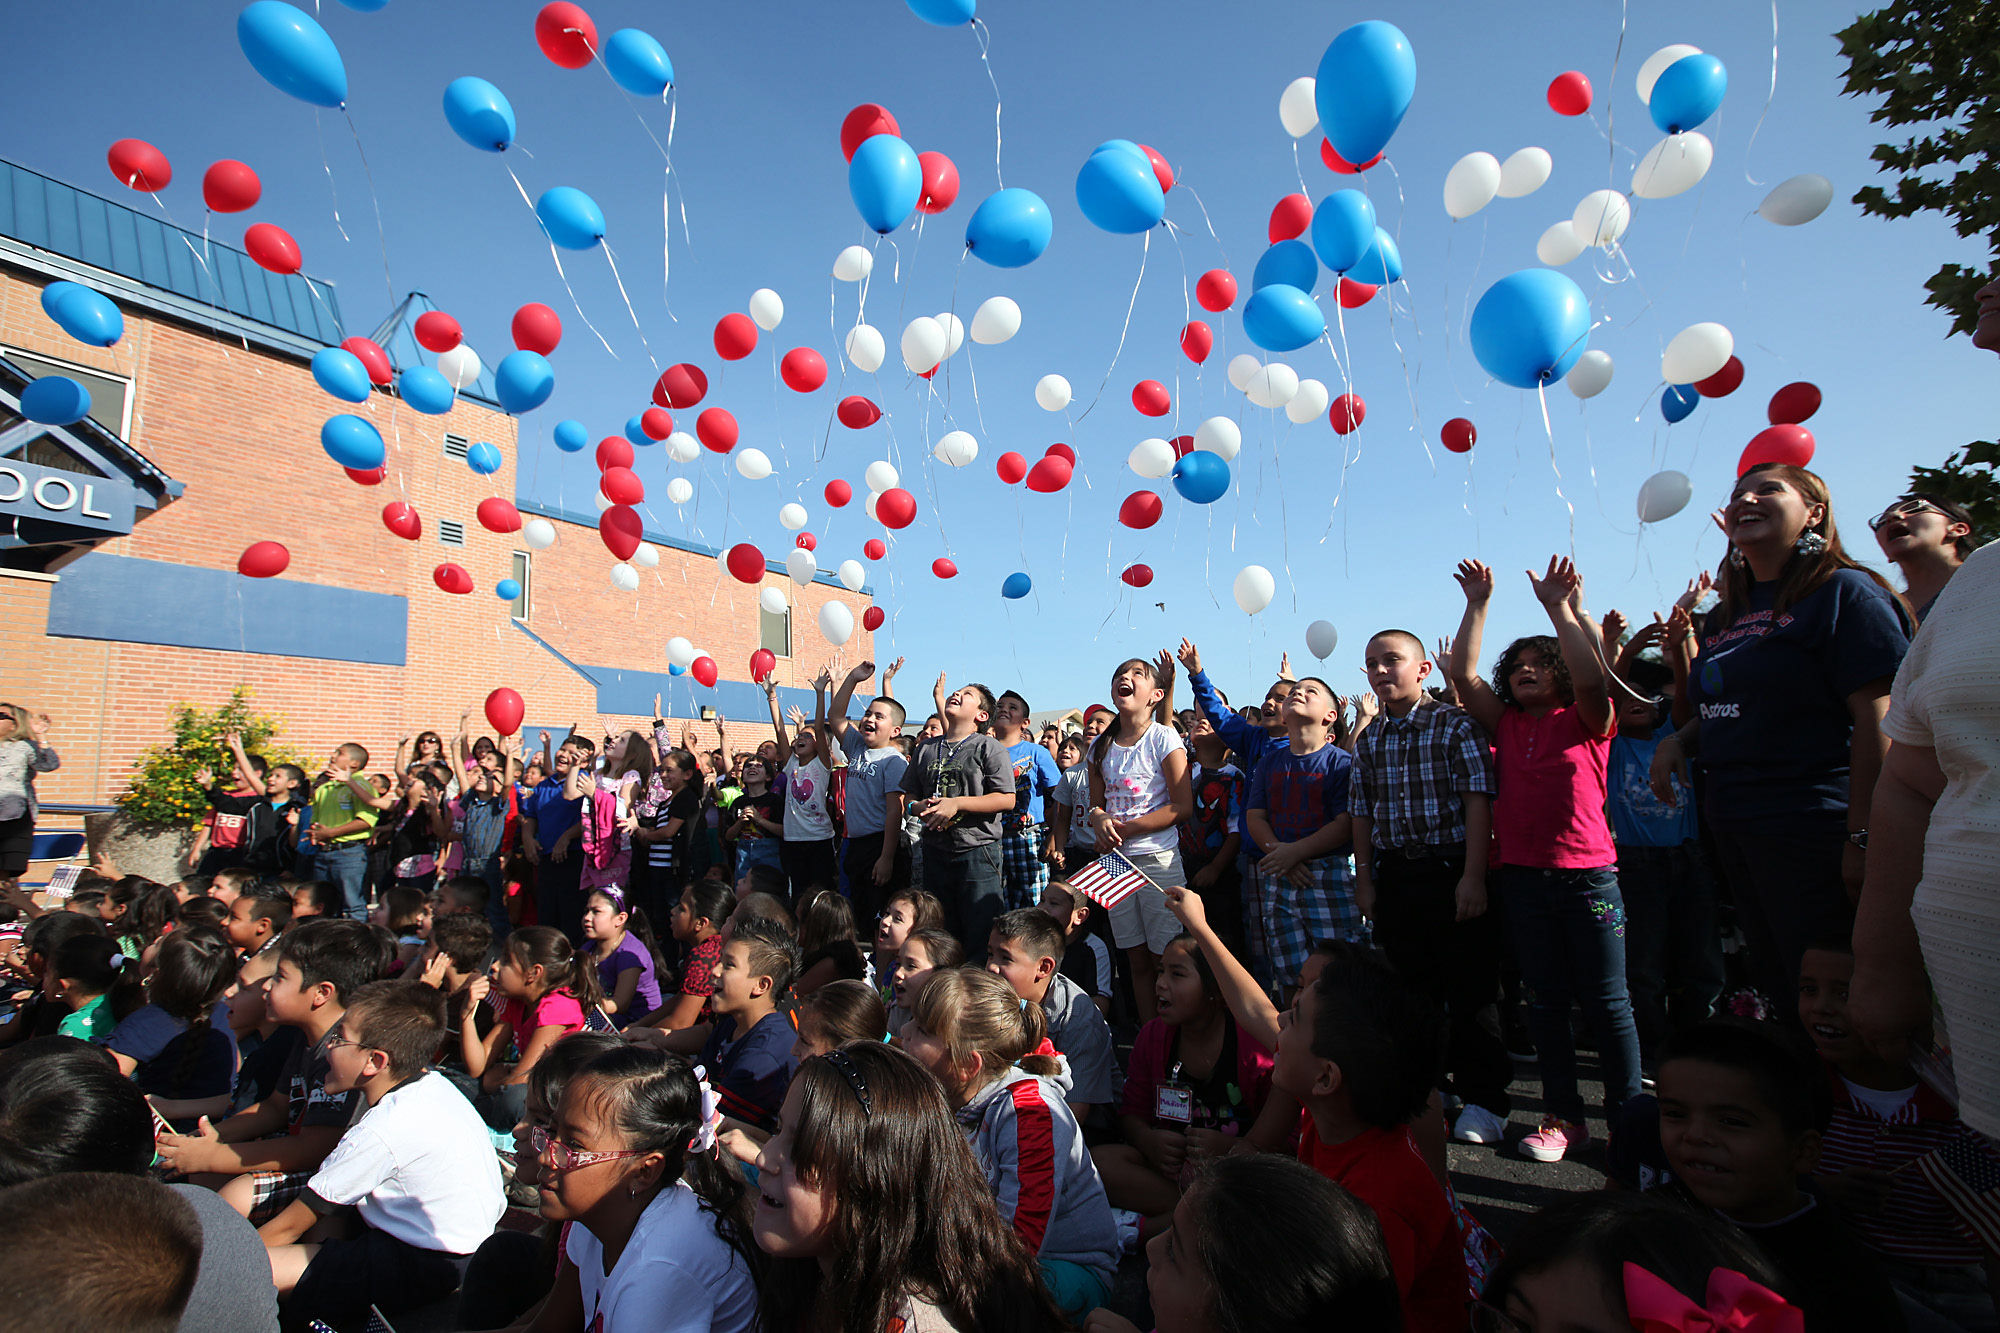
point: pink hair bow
(1735, 1305)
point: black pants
(1788, 892)
(372, 1268)
(508, 1275)
(968, 885)
(809, 865)
(1455, 963)
(869, 898)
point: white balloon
(460, 366)
(539, 534)
(772, 600)
(1591, 375)
(1559, 244)
(1152, 458)
(852, 575)
(1471, 184)
(801, 565)
(865, 348)
(1656, 65)
(753, 464)
(1312, 399)
(647, 556)
(836, 623)
(1664, 495)
(1254, 589)
(880, 476)
(1321, 639)
(1273, 385)
(1219, 435)
(853, 264)
(868, 505)
(683, 447)
(954, 334)
(1601, 218)
(767, 308)
(923, 344)
(1298, 112)
(602, 503)
(793, 516)
(624, 577)
(1052, 393)
(1797, 201)
(1696, 352)
(679, 490)
(956, 449)
(680, 652)
(997, 319)
(1525, 171)
(1674, 164)
(1241, 367)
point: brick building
(119, 535)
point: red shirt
(1549, 813)
(1383, 1169)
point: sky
(1361, 531)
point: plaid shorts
(271, 1192)
(1021, 865)
(1294, 919)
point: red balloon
(230, 186)
(1347, 413)
(865, 122)
(263, 560)
(273, 248)
(372, 477)
(680, 385)
(1794, 403)
(566, 34)
(1137, 576)
(452, 578)
(944, 568)
(504, 709)
(373, 359)
(1051, 474)
(874, 548)
(805, 541)
(621, 529)
(703, 669)
(1163, 173)
(940, 183)
(402, 518)
(1151, 397)
(140, 165)
(1354, 295)
(1216, 290)
(762, 663)
(537, 328)
(838, 493)
(735, 337)
(621, 486)
(437, 332)
(657, 423)
(1723, 382)
(614, 451)
(1458, 435)
(1011, 467)
(1197, 341)
(857, 413)
(1569, 94)
(872, 618)
(1141, 509)
(1785, 442)
(1335, 162)
(803, 369)
(896, 508)
(498, 515)
(1062, 451)
(1182, 445)
(1292, 215)
(716, 428)
(746, 563)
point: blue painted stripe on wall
(128, 600)
(631, 693)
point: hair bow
(118, 961)
(1735, 1305)
(711, 1114)
(1046, 1048)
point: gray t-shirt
(974, 766)
(233, 1292)
(871, 776)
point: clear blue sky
(761, 93)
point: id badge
(1173, 1103)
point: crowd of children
(939, 1029)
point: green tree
(1969, 477)
(162, 791)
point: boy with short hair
(96, 1250)
(1024, 841)
(239, 818)
(960, 783)
(1025, 950)
(227, 885)
(463, 894)
(550, 824)
(458, 951)
(341, 824)
(875, 863)
(257, 918)
(1071, 839)
(1086, 957)
(1209, 837)
(417, 1170)
(749, 1049)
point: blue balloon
(1125, 145)
(676, 669)
(1281, 319)
(635, 431)
(341, 374)
(292, 52)
(1365, 82)
(1289, 262)
(366, 6)
(483, 458)
(1010, 228)
(88, 316)
(1118, 191)
(570, 217)
(1016, 586)
(523, 381)
(1201, 477)
(885, 181)
(1381, 263)
(944, 13)
(638, 63)
(1678, 402)
(55, 400)
(1342, 230)
(1530, 327)
(426, 390)
(352, 441)
(1688, 92)
(507, 590)
(479, 113)
(571, 437)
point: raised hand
(860, 672)
(1556, 584)
(890, 674)
(1190, 656)
(1284, 666)
(1613, 625)
(796, 715)
(1368, 705)
(1442, 656)
(1163, 668)
(1698, 588)
(823, 681)
(1475, 580)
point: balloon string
(1144, 250)
(1768, 98)
(1298, 171)
(1542, 395)
(522, 190)
(1207, 221)
(368, 173)
(319, 136)
(612, 260)
(1611, 103)
(984, 36)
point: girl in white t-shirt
(807, 850)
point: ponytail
(563, 967)
(972, 1012)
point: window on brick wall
(451, 532)
(456, 446)
(110, 395)
(522, 566)
(774, 632)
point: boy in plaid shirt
(1024, 843)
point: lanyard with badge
(1173, 1100)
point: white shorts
(1143, 917)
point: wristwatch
(1859, 837)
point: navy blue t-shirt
(554, 814)
(1302, 793)
(1035, 776)
(1772, 692)
(750, 1075)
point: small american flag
(1966, 1175)
(1109, 880)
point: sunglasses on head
(1903, 509)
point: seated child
(406, 913)
(463, 893)
(705, 906)
(1086, 957)
(177, 1046)
(130, 1252)
(39, 1011)
(226, 886)
(458, 950)
(749, 1050)
(265, 1044)
(827, 942)
(313, 897)
(992, 1055)
(834, 1015)
(1023, 950)
(83, 974)
(417, 1171)
(545, 988)
(924, 952)
(906, 910)
(257, 917)
(620, 944)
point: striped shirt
(1914, 1225)
(1411, 775)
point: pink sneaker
(1554, 1139)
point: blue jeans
(346, 864)
(1569, 932)
(488, 869)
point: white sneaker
(1476, 1124)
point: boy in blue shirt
(1302, 888)
(550, 826)
(1024, 843)
(1209, 837)
(748, 1054)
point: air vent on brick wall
(451, 532)
(456, 446)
